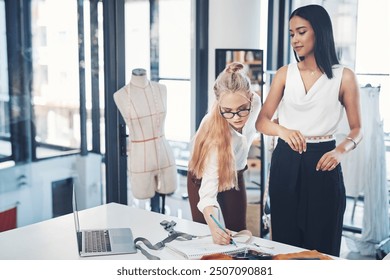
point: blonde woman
(219, 154)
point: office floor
(177, 205)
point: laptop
(102, 242)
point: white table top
(56, 238)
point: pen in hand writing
(221, 227)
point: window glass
(101, 78)
(175, 64)
(374, 69)
(177, 124)
(137, 39)
(55, 85)
(87, 64)
(5, 144)
(175, 39)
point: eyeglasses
(240, 113)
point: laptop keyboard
(97, 241)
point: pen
(221, 227)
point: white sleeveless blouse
(315, 113)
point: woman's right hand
(295, 139)
(219, 236)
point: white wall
(232, 24)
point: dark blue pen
(221, 227)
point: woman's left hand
(329, 161)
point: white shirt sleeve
(208, 190)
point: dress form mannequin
(151, 163)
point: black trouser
(307, 206)
(232, 202)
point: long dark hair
(324, 47)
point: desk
(56, 238)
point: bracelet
(353, 141)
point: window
(374, 69)
(59, 90)
(5, 135)
(137, 38)
(170, 38)
(55, 84)
(48, 102)
(175, 65)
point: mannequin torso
(151, 164)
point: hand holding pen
(222, 228)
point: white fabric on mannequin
(151, 163)
(364, 171)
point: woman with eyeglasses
(306, 188)
(220, 148)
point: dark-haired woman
(306, 188)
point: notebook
(101, 242)
(197, 248)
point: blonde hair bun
(234, 67)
